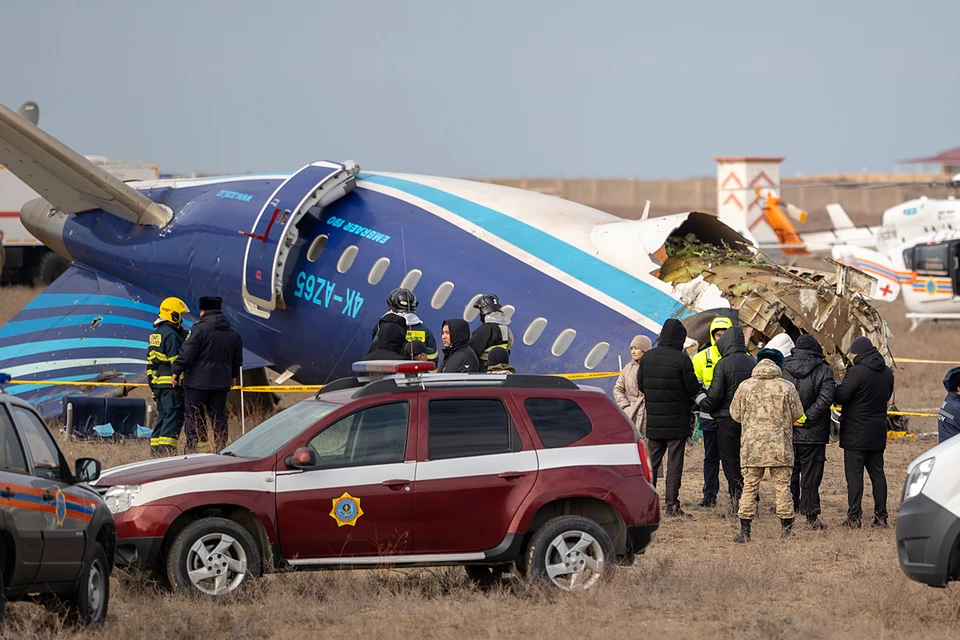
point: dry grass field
(693, 582)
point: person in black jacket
(209, 364)
(390, 342)
(735, 366)
(863, 395)
(493, 331)
(458, 357)
(666, 379)
(808, 371)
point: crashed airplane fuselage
(304, 262)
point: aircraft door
(275, 231)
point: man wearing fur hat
(209, 364)
(948, 421)
(766, 406)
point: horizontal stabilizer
(84, 327)
(66, 179)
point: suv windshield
(270, 435)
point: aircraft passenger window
(508, 311)
(470, 313)
(932, 259)
(534, 331)
(316, 247)
(346, 258)
(411, 280)
(441, 295)
(563, 342)
(596, 354)
(377, 270)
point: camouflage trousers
(751, 484)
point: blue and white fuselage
(579, 283)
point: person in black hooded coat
(735, 366)
(458, 357)
(390, 343)
(863, 396)
(666, 378)
(808, 371)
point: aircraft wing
(85, 327)
(67, 180)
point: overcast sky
(493, 88)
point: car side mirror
(302, 458)
(87, 469)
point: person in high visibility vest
(493, 331)
(163, 347)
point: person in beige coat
(626, 392)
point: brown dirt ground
(693, 582)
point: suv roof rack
(394, 384)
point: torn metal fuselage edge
(774, 299)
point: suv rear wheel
(571, 552)
(89, 604)
(212, 556)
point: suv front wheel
(214, 556)
(571, 552)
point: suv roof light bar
(463, 381)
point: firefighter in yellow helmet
(165, 343)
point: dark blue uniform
(948, 419)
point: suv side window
(11, 451)
(375, 435)
(466, 427)
(558, 421)
(46, 456)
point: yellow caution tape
(251, 389)
(913, 361)
(73, 383)
(304, 388)
(585, 376)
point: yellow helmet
(172, 310)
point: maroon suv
(486, 471)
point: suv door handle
(48, 497)
(510, 475)
(395, 484)
(7, 493)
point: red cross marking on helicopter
(886, 290)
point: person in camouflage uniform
(767, 406)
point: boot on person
(786, 528)
(744, 535)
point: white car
(928, 527)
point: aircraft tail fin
(66, 179)
(29, 111)
(839, 217)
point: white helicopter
(915, 250)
